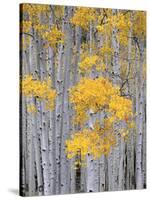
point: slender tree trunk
(140, 99)
(90, 161)
(64, 171)
(59, 88)
(78, 36)
(113, 162)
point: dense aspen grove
(82, 99)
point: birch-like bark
(59, 88)
(140, 104)
(144, 146)
(22, 126)
(31, 125)
(41, 117)
(78, 36)
(101, 161)
(77, 176)
(65, 171)
(90, 161)
(129, 154)
(116, 71)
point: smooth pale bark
(23, 128)
(65, 171)
(38, 74)
(38, 71)
(30, 157)
(90, 174)
(121, 166)
(37, 148)
(23, 116)
(113, 161)
(90, 161)
(52, 150)
(32, 69)
(52, 130)
(130, 143)
(115, 59)
(42, 126)
(78, 37)
(59, 88)
(31, 126)
(106, 55)
(102, 174)
(140, 99)
(110, 171)
(76, 174)
(144, 146)
(124, 163)
(101, 161)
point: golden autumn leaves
(41, 90)
(89, 95)
(99, 96)
(88, 62)
(83, 17)
(92, 142)
(51, 35)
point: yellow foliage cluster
(89, 142)
(25, 28)
(123, 24)
(121, 107)
(83, 17)
(139, 25)
(25, 40)
(101, 67)
(31, 108)
(100, 28)
(122, 37)
(53, 37)
(118, 21)
(124, 134)
(91, 94)
(39, 89)
(34, 9)
(34, 12)
(98, 95)
(26, 25)
(105, 49)
(88, 62)
(41, 28)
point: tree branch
(29, 34)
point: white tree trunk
(59, 88)
(140, 110)
(65, 171)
